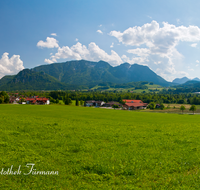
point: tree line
(68, 96)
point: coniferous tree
(67, 99)
(77, 102)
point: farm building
(94, 103)
(134, 104)
(39, 101)
(110, 104)
(14, 99)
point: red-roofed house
(39, 101)
(132, 101)
(134, 104)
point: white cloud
(160, 44)
(53, 34)
(133, 60)
(197, 61)
(10, 66)
(76, 39)
(48, 61)
(79, 51)
(99, 31)
(194, 45)
(149, 17)
(112, 45)
(100, 25)
(50, 43)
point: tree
(81, 102)
(151, 105)
(115, 106)
(182, 108)
(66, 99)
(4, 97)
(162, 106)
(77, 102)
(193, 108)
(1, 99)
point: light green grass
(99, 149)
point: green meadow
(93, 148)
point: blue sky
(164, 35)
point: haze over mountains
(82, 73)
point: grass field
(95, 148)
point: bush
(115, 106)
(162, 106)
(152, 105)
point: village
(29, 100)
(126, 105)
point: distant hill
(190, 83)
(196, 79)
(77, 75)
(30, 80)
(184, 80)
(180, 80)
(188, 87)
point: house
(99, 103)
(134, 104)
(39, 101)
(157, 106)
(14, 99)
(132, 101)
(110, 104)
(90, 103)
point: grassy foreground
(98, 149)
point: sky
(163, 35)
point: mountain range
(78, 74)
(184, 80)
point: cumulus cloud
(9, 66)
(112, 45)
(48, 61)
(76, 39)
(159, 42)
(79, 51)
(50, 43)
(99, 31)
(53, 34)
(197, 61)
(194, 45)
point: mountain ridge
(79, 73)
(76, 72)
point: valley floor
(98, 148)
